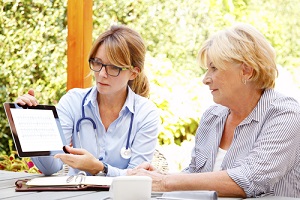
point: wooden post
(80, 25)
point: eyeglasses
(111, 70)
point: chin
(217, 101)
(101, 90)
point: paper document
(70, 181)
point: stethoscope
(125, 151)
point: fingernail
(65, 150)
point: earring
(245, 81)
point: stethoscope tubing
(83, 114)
(129, 132)
(95, 127)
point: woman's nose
(102, 72)
(207, 80)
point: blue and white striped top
(264, 156)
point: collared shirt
(264, 156)
(106, 145)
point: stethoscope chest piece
(125, 153)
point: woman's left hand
(80, 159)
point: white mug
(131, 188)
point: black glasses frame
(93, 60)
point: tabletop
(7, 190)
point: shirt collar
(262, 105)
(92, 98)
(255, 115)
(130, 101)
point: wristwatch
(104, 171)
(105, 168)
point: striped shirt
(264, 156)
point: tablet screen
(36, 130)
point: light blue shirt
(107, 146)
(264, 156)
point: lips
(104, 84)
(213, 90)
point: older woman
(247, 144)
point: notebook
(62, 183)
(36, 130)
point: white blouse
(219, 159)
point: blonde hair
(242, 43)
(125, 47)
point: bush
(179, 99)
(32, 54)
(13, 163)
(33, 49)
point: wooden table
(7, 191)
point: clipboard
(36, 130)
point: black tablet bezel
(21, 153)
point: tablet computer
(36, 130)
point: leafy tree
(32, 54)
(33, 49)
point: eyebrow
(99, 59)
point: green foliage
(33, 46)
(175, 96)
(32, 54)
(175, 30)
(278, 20)
(169, 28)
(13, 163)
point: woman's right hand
(27, 99)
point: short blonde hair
(125, 47)
(242, 43)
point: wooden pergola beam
(80, 26)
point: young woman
(112, 126)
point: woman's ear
(134, 72)
(247, 71)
